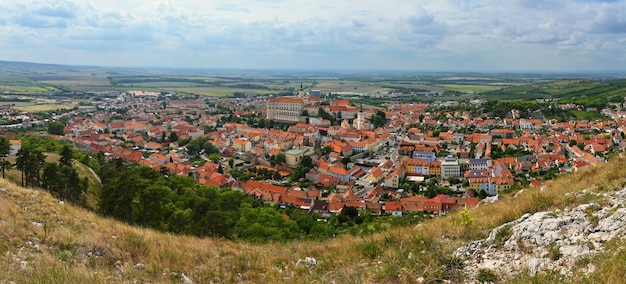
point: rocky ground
(548, 241)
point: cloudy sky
(452, 35)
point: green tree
(195, 146)
(345, 160)
(278, 159)
(51, 178)
(5, 165)
(74, 186)
(349, 211)
(5, 149)
(263, 224)
(321, 231)
(377, 121)
(66, 156)
(307, 162)
(173, 136)
(56, 128)
(326, 150)
(154, 203)
(298, 173)
(181, 221)
(210, 148)
(30, 162)
(118, 192)
(64, 182)
(215, 158)
(276, 176)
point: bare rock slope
(548, 241)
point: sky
(434, 35)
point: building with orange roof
(341, 173)
(117, 127)
(242, 145)
(393, 208)
(503, 133)
(340, 103)
(375, 175)
(287, 109)
(152, 146)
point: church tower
(360, 119)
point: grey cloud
(539, 38)
(232, 8)
(539, 4)
(611, 18)
(56, 12)
(38, 22)
(358, 24)
(40, 14)
(440, 33)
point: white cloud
(394, 34)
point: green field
(17, 104)
(203, 91)
(39, 79)
(350, 86)
(163, 85)
(471, 88)
(586, 115)
(568, 89)
(31, 89)
(218, 91)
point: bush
(503, 234)
(370, 250)
(554, 252)
(486, 276)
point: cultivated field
(27, 90)
(471, 88)
(44, 107)
(350, 86)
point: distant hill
(609, 90)
(21, 64)
(45, 241)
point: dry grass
(76, 246)
(44, 107)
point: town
(320, 153)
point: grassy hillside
(44, 241)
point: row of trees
(61, 179)
(140, 195)
(29, 161)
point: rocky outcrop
(548, 240)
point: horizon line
(337, 70)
